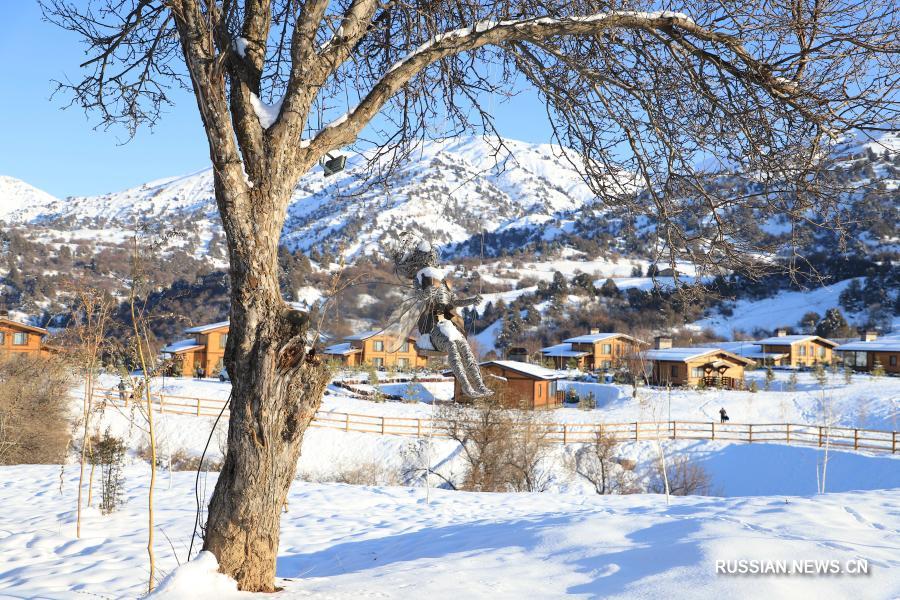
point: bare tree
(596, 462)
(640, 94)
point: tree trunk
(277, 386)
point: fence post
(713, 430)
(346, 421)
(674, 429)
(419, 428)
(893, 442)
(750, 433)
(198, 407)
(162, 404)
(565, 434)
(787, 428)
(856, 439)
(820, 436)
(635, 430)
(382, 424)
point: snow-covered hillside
(449, 190)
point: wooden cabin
(798, 350)
(19, 338)
(204, 349)
(862, 355)
(713, 367)
(595, 351)
(525, 385)
(375, 348)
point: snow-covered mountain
(448, 190)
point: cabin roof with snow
(787, 340)
(888, 345)
(182, 346)
(690, 354)
(750, 350)
(207, 328)
(343, 349)
(563, 350)
(591, 338)
(527, 369)
(17, 325)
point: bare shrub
(685, 476)
(33, 410)
(182, 460)
(362, 473)
(502, 448)
(596, 462)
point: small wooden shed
(526, 385)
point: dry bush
(686, 478)
(34, 427)
(597, 463)
(502, 448)
(363, 473)
(182, 460)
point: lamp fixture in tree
(642, 96)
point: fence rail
(840, 438)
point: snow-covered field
(341, 541)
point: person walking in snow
(723, 416)
(433, 306)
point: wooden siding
(801, 354)
(522, 391)
(32, 343)
(885, 357)
(678, 373)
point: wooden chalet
(205, 350)
(862, 355)
(19, 338)
(798, 350)
(526, 385)
(713, 367)
(595, 351)
(375, 348)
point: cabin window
(802, 351)
(378, 346)
(696, 371)
(403, 363)
(893, 360)
(404, 347)
(540, 389)
(223, 339)
(378, 362)
(552, 387)
(20, 338)
(607, 364)
(821, 351)
(673, 370)
(2, 338)
(607, 348)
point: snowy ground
(342, 541)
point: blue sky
(61, 152)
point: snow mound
(198, 579)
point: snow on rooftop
(563, 351)
(181, 346)
(679, 354)
(525, 368)
(343, 349)
(784, 340)
(590, 338)
(889, 345)
(209, 327)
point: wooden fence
(839, 438)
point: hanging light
(334, 164)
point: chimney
(4, 314)
(661, 342)
(780, 332)
(595, 330)
(869, 335)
